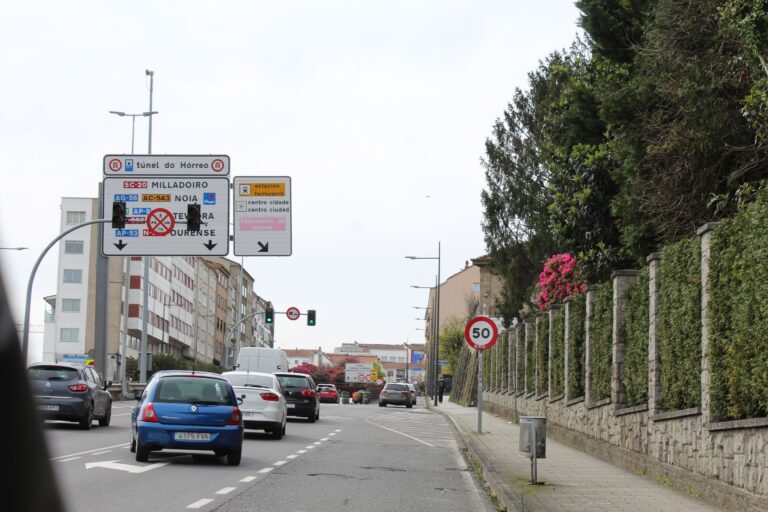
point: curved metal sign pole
(25, 338)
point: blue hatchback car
(187, 410)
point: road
(357, 457)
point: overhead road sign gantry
(166, 165)
(262, 215)
(156, 209)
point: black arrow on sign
(120, 245)
(210, 245)
(264, 247)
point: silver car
(413, 392)
(261, 401)
(396, 393)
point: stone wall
(724, 462)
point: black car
(70, 392)
(300, 395)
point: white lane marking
(292, 456)
(337, 430)
(248, 479)
(121, 445)
(317, 442)
(266, 470)
(200, 503)
(101, 452)
(332, 434)
(280, 463)
(309, 447)
(113, 464)
(398, 432)
(226, 490)
(301, 451)
(324, 439)
(69, 459)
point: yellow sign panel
(262, 189)
(156, 198)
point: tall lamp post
(133, 121)
(437, 314)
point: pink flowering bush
(558, 280)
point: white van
(261, 359)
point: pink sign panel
(263, 224)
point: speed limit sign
(481, 333)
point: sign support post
(481, 334)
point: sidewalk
(575, 481)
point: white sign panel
(166, 165)
(156, 216)
(358, 372)
(262, 215)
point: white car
(261, 401)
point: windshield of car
(192, 390)
(51, 373)
(293, 382)
(261, 381)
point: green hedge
(577, 311)
(542, 355)
(680, 324)
(530, 364)
(520, 357)
(601, 338)
(738, 314)
(558, 353)
(635, 335)
(166, 362)
(504, 361)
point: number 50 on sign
(481, 333)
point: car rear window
(293, 382)
(250, 380)
(52, 373)
(199, 390)
(396, 387)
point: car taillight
(307, 393)
(78, 387)
(149, 413)
(406, 394)
(270, 397)
(235, 418)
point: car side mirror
(240, 400)
(107, 384)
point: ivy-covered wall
(601, 338)
(530, 363)
(577, 311)
(738, 314)
(680, 324)
(635, 336)
(542, 354)
(557, 368)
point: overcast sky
(378, 111)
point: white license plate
(48, 407)
(247, 414)
(192, 436)
(291, 406)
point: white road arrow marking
(113, 464)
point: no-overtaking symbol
(160, 222)
(293, 313)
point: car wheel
(311, 417)
(104, 421)
(234, 456)
(133, 445)
(409, 405)
(142, 452)
(87, 420)
(382, 404)
(277, 433)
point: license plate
(48, 407)
(192, 436)
(291, 406)
(249, 414)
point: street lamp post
(133, 121)
(437, 316)
(13, 248)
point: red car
(327, 393)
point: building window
(70, 305)
(69, 334)
(476, 287)
(73, 247)
(75, 218)
(73, 275)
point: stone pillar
(520, 361)
(530, 338)
(590, 309)
(621, 281)
(566, 342)
(511, 335)
(705, 232)
(654, 363)
(554, 310)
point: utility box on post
(533, 442)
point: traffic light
(118, 214)
(193, 217)
(310, 317)
(269, 315)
